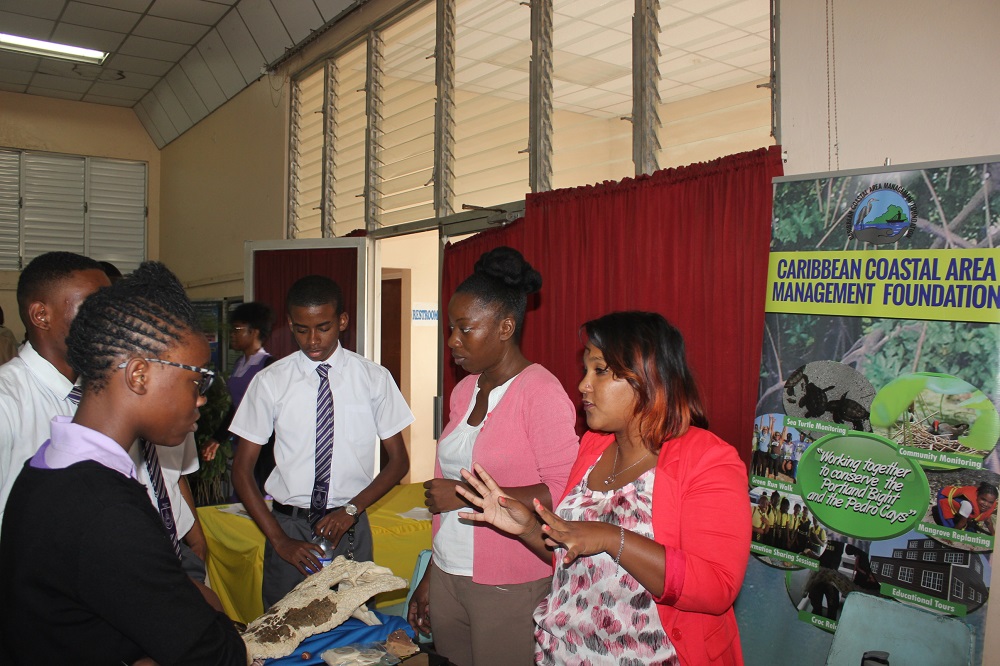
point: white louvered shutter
(10, 210)
(116, 214)
(53, 193)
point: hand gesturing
(498, 508)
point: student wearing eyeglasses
(175, 463)
(39, 385)
(91, 574)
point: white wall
(418, 253)
(915, 82)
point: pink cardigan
(702, 517)
(529, 438)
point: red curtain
(690, 243)
(276, 270)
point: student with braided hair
(116, 593)
(39, 385)
(174, 462)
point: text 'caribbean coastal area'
(958, 285)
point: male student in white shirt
(367, 408)
(35, 385)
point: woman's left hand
(497, 507)
(578, 537)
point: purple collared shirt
(71, 443)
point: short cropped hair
(315, 290)
(45, 271)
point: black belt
(296, 512)
(292, 511)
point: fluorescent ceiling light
(38, 47)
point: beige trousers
(484, 625)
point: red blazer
(702, 518)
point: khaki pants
(484, 625)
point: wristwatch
(351, 511)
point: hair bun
(509, 267)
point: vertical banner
(874, 467)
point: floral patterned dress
(596, 613)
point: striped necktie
(162, 498)
(324, 445)
(75, 394)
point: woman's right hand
(441, 495)
(498, 508)
(418, 614)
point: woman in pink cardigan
(515, 417)
(653, 534)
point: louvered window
(307, 156)
(116, 212)
(349, 131)
(88, 205)
(406, 152)
(53, 195)
(492, 52)
(10, 214)
(591, 93)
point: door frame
(368, 287)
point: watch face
(351, 509)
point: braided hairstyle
(503, 278)
(142, 314)
(44, 271)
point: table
(236, 549)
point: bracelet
(621, 547)
(531, 531)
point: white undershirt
(453, 542)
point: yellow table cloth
(236, 549)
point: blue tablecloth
(351, 631)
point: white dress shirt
(281, 399)
(32, 391)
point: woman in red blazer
(653, 533)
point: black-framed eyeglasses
(206, 375)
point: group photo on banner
(874, 467)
